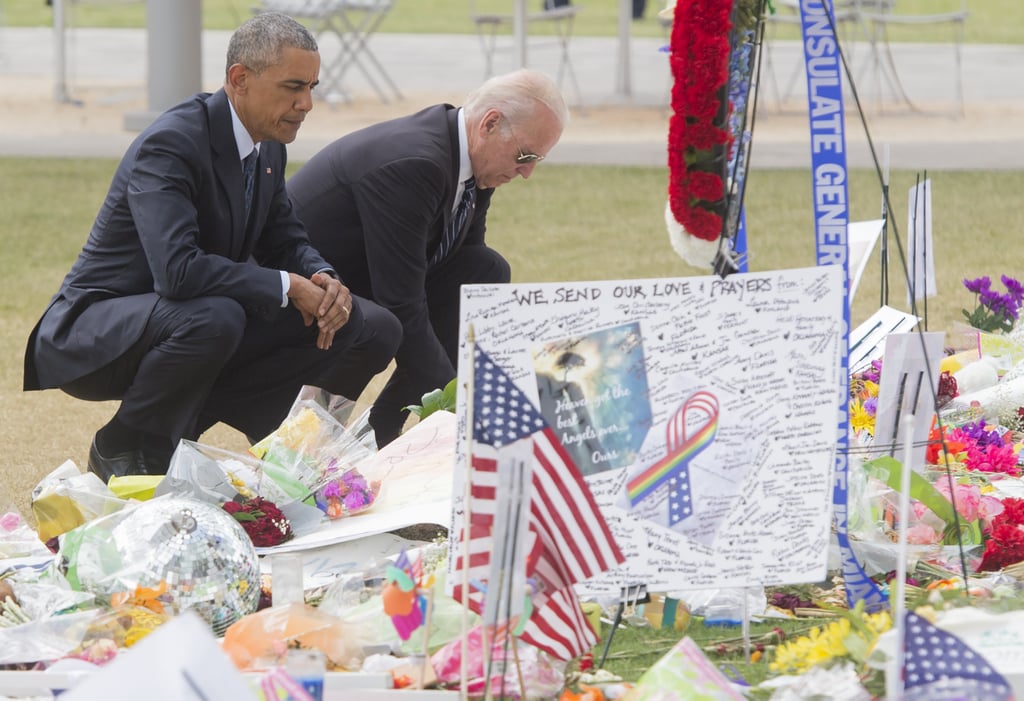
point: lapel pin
(268, 171)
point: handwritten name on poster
(701, 412)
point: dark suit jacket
(172, 225)
(375, 203)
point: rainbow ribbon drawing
(674, 468)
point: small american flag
(567, 539)
(938, 664)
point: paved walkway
(106, 77)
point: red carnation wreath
(698, 135)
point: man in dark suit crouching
(399, 209)
(198, 297)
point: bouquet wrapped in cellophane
(313, 457)
(289, 480)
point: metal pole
(60, 87)
(174, 56)
(623, 74)
(519, 29)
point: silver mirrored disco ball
(197, 552)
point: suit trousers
(465, 266)
(204, 360)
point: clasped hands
(323, 299)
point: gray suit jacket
(173, 226)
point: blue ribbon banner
(831, 216)
(741, 241)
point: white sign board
(920, 245)
(861, 237)
(910, 380)
(180, 661)
(702, 412)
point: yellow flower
(852, 637)
(820, 645)
(860, 419)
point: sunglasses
(522, 157)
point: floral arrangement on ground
(965, 526)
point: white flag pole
(464, 662)
(894, 674)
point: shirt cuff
(286, 283)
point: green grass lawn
(568, 223)
(991, 21)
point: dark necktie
(249, 175)
(451, 234)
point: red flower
(947, 389)
(1013, 511)
(700, 67)
(1005, 544)
(263, 522)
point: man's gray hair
(259, 42)
(517, 96)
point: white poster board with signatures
(701, 411)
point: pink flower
(920, 534)
(971, 504)
(1000, 459)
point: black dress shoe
(128, 463)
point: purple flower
(995, 311)
(354, 481)
(978, 285)
(1015, 288)
(354, 501)
(874, 374)
(983, 438)
(871, 406)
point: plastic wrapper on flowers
(217, 476)
(42, 594)
(311, 455)
(837, 683)
(44, 640)
(261, 640)
(17, 539)
(114, 630)
(542, 675)
(350, 602)
(873, 517)
(66, 498)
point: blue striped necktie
(451, 234)
(249, 174)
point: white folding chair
(352, 23)
(356, 23)
(494, 18)
(880, 15)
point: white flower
(697, 252)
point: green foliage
(436, 400)
(889, 470)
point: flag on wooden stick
(552, 536)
